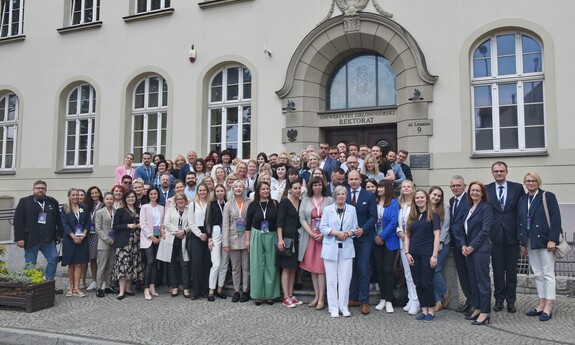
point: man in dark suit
(192, 157)
(459, 207)
(503, 197)
(37, 227)
(401, 157)
(166, 191)
(327, 163)
(337, 178)
(366, 210)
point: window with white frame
(8, 131)
(149, 117)
(143, 6)
(84, 11)
(12, 18)
(80, 127)
(508, 92)
(230, 111)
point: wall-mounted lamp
(416, 96)
(290, 107)
(192, 54)
(268, 53)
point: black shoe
(58, 291)
(211, 298)
(534, 312)
(270, 302)
(545, 317)
(220, 295)
(511, 308)
(482, 323)
(194, 297)
(471, 317)
(130, 293)
(498, 306)
(100, 293)
(110, 290)
(236, 297)
(119, 298)
(245, 297)
(469, 311)
(258, 302)
(463, 308)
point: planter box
(31, 297)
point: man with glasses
(459, 207)
(503, 198)
(127, 182)
(328, 161)
(38, 227)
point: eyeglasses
(333, 153)
(126, 182)
(530, 181)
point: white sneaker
(346, 313)
(414, 308)
(381, 305)
(407, 306)
(92, 286)
(389, 307)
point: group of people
(272, 217)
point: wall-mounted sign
(420, 161)
(356, 118)
(415, 127)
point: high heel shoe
(312, 304)
(482, 323)
(174, 294)
(472, 317)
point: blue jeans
(50, 253)
(439, 285)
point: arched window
(149, 117)
(362, 81)
(508, 94)
(230, 111)
(8, 130)
(80, 127)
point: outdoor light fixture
(290, 107)
(192, 54)
(416, 96)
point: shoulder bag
(563, 248)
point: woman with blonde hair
(370, 168)
(199, 242)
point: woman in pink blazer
(151, 223)
(125, 169)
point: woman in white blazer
(338, 225)
(172, 247)
(151, 221)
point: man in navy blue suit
(459, 207)
(166, 191)
(366, 210)
(503, 198)
(327, 163)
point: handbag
(289, 248)
(563, 248)
(400, 293)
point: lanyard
(77, 215)
(181, 218)
(221, 208)
(266, 209)
(341, 217)
(318, 206)
(240, 206)
(530, 200)
(41, 204)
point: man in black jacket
(38, 227)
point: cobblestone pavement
(168, 320)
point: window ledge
(7, 172)
(216, 3)
(80, 27)
(509, 154)
(11, 39)
(74, 171)
(148, 15)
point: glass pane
(82, 158)
(217, 81)
(152, 122)
(83, 143)
(247, 115)
(71, 127)
(216, 94)
(215, 117)
(533, 92)
(232, 93)
(247, 132)
(361, 82)
(247, 84)
(232, 115)
(506, 45)
(385, 83)
(72, 102)
(2, 108)
(139, 102)
(12, 106)
(532, 63)
(156, 4)
(246, 147)
(482, 96)
(164, 120)
(483, 118)
(530, 45)
(138, 122)
(71, 143)
(153, 92)
(508, 116)
(509, 138)
(216, 134)
(233, 75)
(141, 6)
(484, 139)
(506, 65)
(84, 127)
(232, 134)
(481, 68)
(139, 95)
(508, 94)
(138, 139)
(9, 162)
(337, 91)
(165, 94)
(70, 158)
(152, 139)
(483, 51)
(534, 137)
(232, 81)
(534, 114)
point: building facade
(459, 85)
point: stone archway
(324, 48)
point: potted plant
(25, 288)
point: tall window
(508, 94)
(143, 6)
(149, 117)
(80, 127)
(12, 18)
(8, 130)
(361, 82)
(230, 111)
(84, 11)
